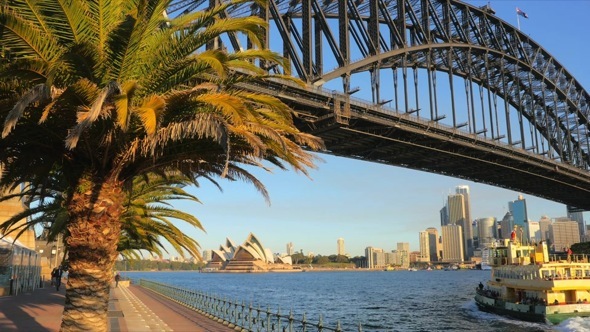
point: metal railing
(240, 316)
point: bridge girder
(443, 36)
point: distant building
(434, 245)
(340, 247)
(457, 216)
(506, 226)
(544, 224)
(207, 255)
(577, 215)
(534, 232)
(519, 214)
(563, 233)
(424, 253)
(486, 228)
(391, 258)
(444, 215)
(251, 256)
(452, 236)
(375, 258)
(403, 252)
(467, 222)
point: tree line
(161, 265)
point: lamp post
(54, 252)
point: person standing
(117, 278)
(53, 273)
(57, 276)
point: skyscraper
(486, 228)
(452, 236)
(444, 215)
(563, 233)
(290, 248)
(577, 215)
(434, 245)
(544, 224)
(467, 224)
(519, 213)
(423, 238)
(403, 252)
(506, 226)
(534, 231)
(340, 247)
(458, 216)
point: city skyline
(371, 204)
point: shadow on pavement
(37, 311)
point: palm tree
(96, 93)
(147, 221)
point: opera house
(251, 256)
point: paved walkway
(131, 309)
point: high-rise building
(403, 252)
(486, 228)
(519, 214)
(444, 215)
(544, 224)
(563, 233)
(577, 215)
(467, 224)
(290, 250)
(434, 244)
(391, 258)
(452, 236)
(506, 226)
(340, 247)
(375, 257)
(424, 255)
(475, 232)
(534, 232)
(457, 216)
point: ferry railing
(240, 316)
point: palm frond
(38, 93)
(97, 109)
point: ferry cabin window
(500, 253)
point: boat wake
(575, 324)
(473, 311)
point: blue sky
(370, 204)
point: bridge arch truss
(440, 61)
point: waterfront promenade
(131, 309)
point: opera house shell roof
(251, 256)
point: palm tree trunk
(94, 229)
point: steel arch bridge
(449, 88)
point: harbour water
(378, 300)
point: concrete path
(131, 309)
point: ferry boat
(526, 283)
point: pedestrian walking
(57, 276)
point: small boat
(528, 284)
